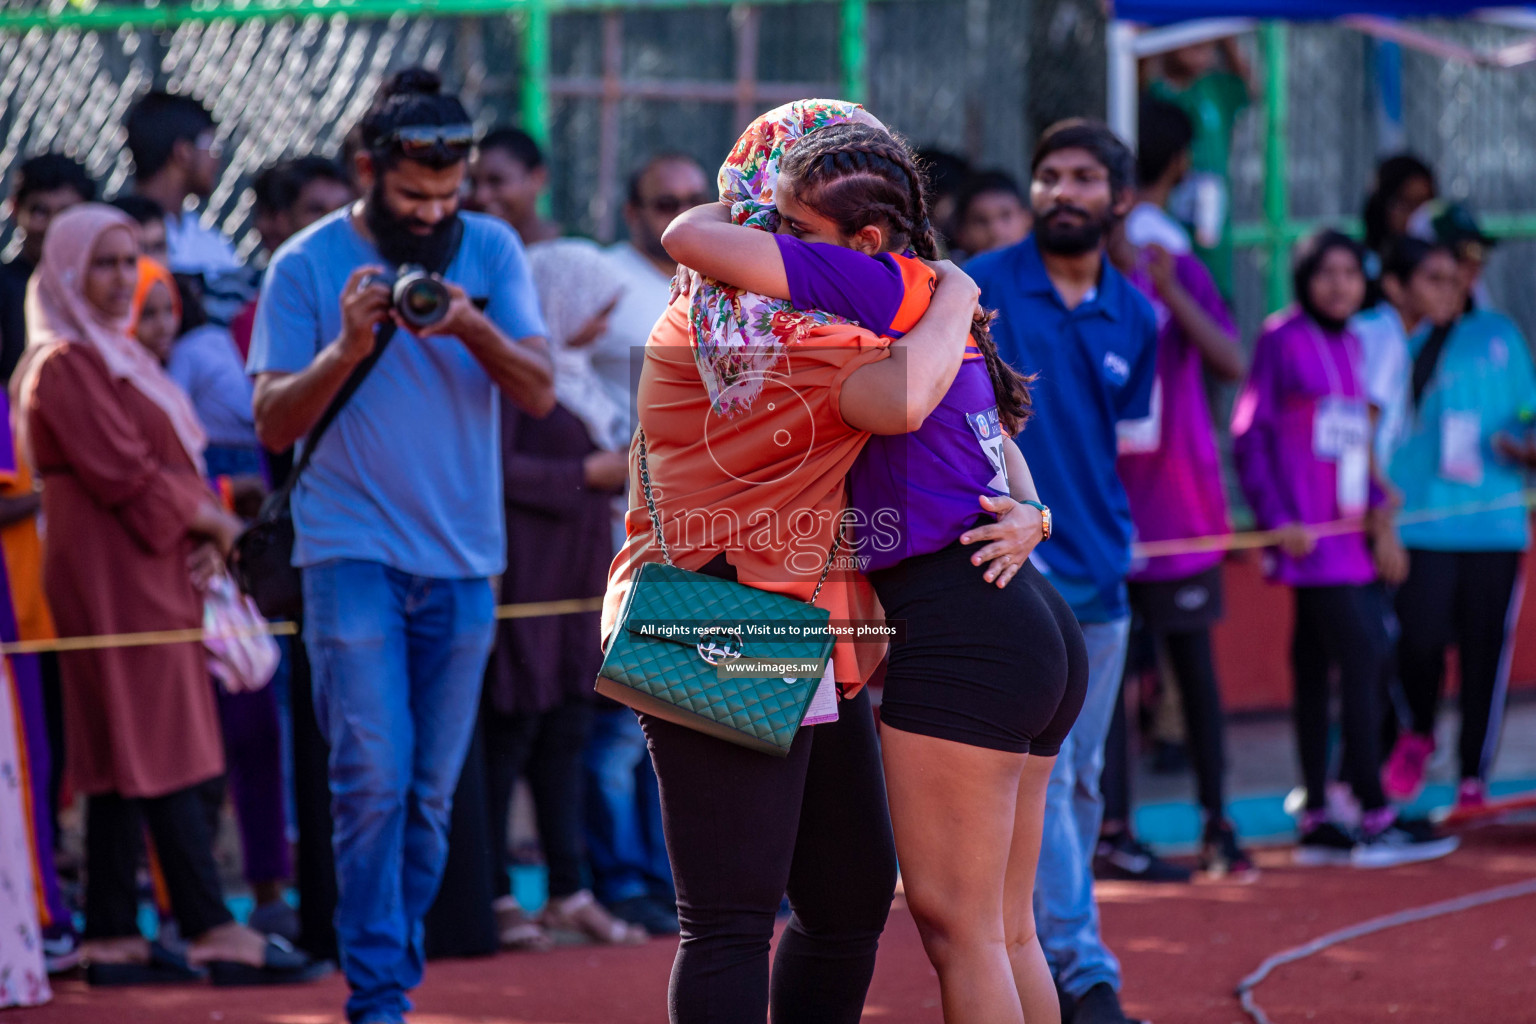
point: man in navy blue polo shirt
(1066, 314)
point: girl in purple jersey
(988, 678)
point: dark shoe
(1122, 858)
(1100, 1005)
(282, 965)
(1405, 841)
(164, 968)
(1220, 855)
(275, 918)
(650, 914)
(1323, 845)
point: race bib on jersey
(988, 429)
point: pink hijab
(58, 313)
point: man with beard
(1066, 314)
(398, 519)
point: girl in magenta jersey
(988, 678)
(1301, 442)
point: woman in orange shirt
(752, 414)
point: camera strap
(355, 380)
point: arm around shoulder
(705, 239)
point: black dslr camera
(419, 296)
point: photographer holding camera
(397, 518)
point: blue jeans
(397, 663)
(625, 847)
(1066, 916)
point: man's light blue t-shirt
(410, 473)
(1484, 384)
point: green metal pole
(855, 49)
(1276, 183)
(534, 99)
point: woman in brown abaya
(132, 531)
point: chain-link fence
(978, 77)
(277, 89)
(1475, 125)
(950, 72)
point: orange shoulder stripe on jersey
(918, 284)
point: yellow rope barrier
(535, 609)
(157, 638)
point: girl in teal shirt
(1466, 445)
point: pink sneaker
(1472, 795)
(1403, 776)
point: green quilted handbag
(675, 627)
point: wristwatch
(1045, 518)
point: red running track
(1183, 947)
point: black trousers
(743, 829)
(315, 865)
(53, 716)
(547, 749)
(179, 825)
(1466, 598)
(1193, 669)
(1339, 629)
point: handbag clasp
(714, 653)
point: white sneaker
(1402, 842)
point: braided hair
(856, 175)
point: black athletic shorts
(1179, 606)
(1004, 669)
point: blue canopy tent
(1141, 28)
(1168, 12)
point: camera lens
(421, 299)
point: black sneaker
(1220, 855)
(1100, 1005)
(650, 914)
(1121, 858)
(1323, 846)
(1405, 841)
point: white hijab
(575, 281)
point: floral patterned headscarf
(740, 336)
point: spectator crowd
(161, 389)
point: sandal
(516, 930)
(281, 965)
(580, 912)
(164, 967)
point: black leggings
(743, 829)
(179, 825)
(1194, 671)
(546, 748)
(1342, 628)
(1464, 598)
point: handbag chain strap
(661, 540)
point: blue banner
(1164, 12)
